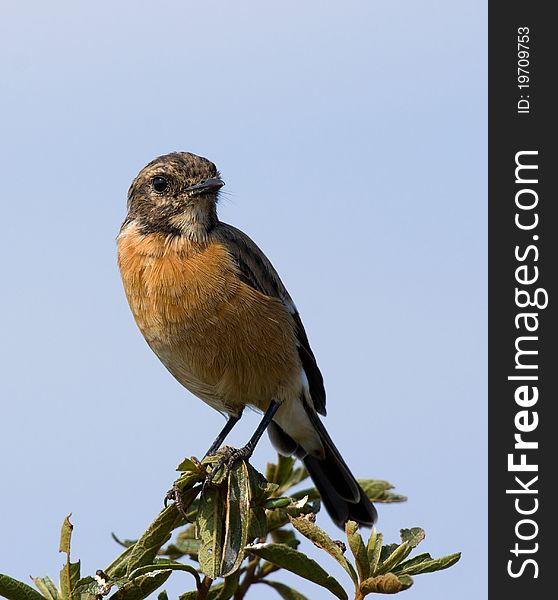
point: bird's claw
(171, 495)
(175, 495)
(228, 456)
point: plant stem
(248, 579)
(203, 588)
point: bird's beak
(204, 187)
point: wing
(256, 271)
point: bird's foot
(171, 495)
(227, 457)
(175, 496)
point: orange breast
(224, 341)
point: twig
(248, 580)
(203, 588)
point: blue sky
(352, 137)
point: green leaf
(387, 549)
(182, 548)
(166, 565)
(358, 549)
(261, 489)
(428, 566)
(47, 587)
(280, 516)
(413, 536)
(12, 589)
(273, 503)
(119, 565)
(386, 584)
(142, 586)
(69, 575)
(280, 472)
(185, 543)
(87, 585)
(283, 475)
(189, 479)
(258, 523)
(124, 543)
(321, 539)
(298, 563)
(284, 591)
(399, 554)
(66, 535)
(159, 532)
(374, 550)
(378, 491)
(223, 523)
(163, 595)
(188, 466)
(210, 525)
(92, 585)
(407, 565)
(237, 519)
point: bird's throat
(196, 221)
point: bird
(213, 309)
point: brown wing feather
(256, 270)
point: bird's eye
(160, 184)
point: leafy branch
(234, 533)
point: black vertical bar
(523, 269)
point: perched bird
(214, 310)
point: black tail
(341, 495)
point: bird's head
(175, 194)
